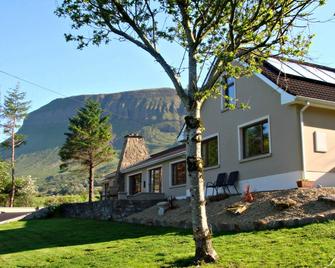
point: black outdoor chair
(221, 180)
(232, 180)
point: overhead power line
(55, 92)
(33, 83)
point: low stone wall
(40, 214)
(238, 227)
(106, 209)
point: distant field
(88, 243)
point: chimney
(133, 151)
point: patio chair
(221, 180)
(232, 180)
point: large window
(256, 139)
(155, 180)
(178, 173)
(135, 183)
(209, 152)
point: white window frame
(240, 139)
(148, 178)
(218, 138)
(223, 107)
(170, 171)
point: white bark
(201, 231)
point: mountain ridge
(156, 114)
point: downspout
(303, 138)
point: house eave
(153, 162)
(325, 104)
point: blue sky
(33, 47)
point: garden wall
(106, 209)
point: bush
(61, 199)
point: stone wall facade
(106, 209)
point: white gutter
(325, 104)
(303, 138)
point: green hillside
(157, 114)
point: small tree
(4, 182)
(88, 141)
(25, 191)
(220, 38)
(15, 109)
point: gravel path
(8, 216)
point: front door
(155, 180)
(135, 183)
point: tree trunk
(12, 192)
(201, 233)
(91, 184)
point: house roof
(302, 83)
(154, 158)
(158, 157)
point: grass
(88, 243)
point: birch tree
(229, 38)
(15, 109)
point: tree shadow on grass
(182, 262)
(60, 232)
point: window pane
(155, 180)
(212, 152)
(230, 93)
(266, 147)
(179, 173)
(209, 152)
(256, 139)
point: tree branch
(145, 44)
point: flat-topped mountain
(156, 114)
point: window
(106, 189)
(209, 152)
(155, 180)
(229, 94)
(256, 139)
(135, 183)
(178, 171)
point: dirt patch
(261, 214)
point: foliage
(14, 110)
(19, 140)
(4, 175)
(25, 190)
(88, 141)
(87, 243)
(45, 201)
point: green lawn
(86, 243)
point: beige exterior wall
(285, 156)
(321, 121)
(167, 188)
(283, 165)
